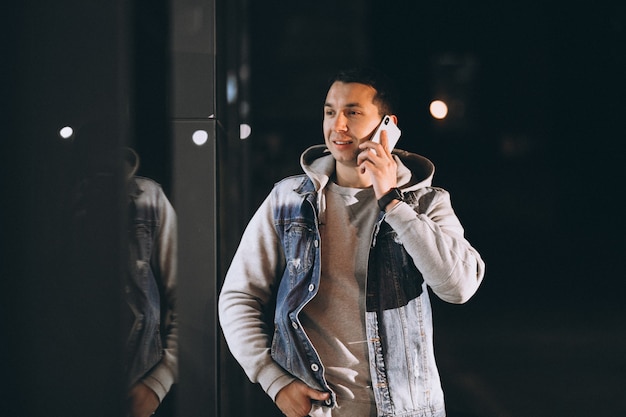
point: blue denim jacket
(419, 243)
(150, 289)
(398, 319)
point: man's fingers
(294, 400)
(384, 141)
(318, 395)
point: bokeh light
(438, 109)
(200, 137)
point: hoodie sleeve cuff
(278, 385)
(160, 380)
(273, 378)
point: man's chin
(346, 160)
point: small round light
(438, 109)
(244, 131)
(200, 137)
(66, 132)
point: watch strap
(393, 194)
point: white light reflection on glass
(244, 131)
(200, 137)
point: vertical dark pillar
(194, 199)
(195, 132)
(62, 221)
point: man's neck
(351, 177)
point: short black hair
(386, 94)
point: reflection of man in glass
(149, 292)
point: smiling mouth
(343, 141)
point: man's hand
(379, 163)
(143, 402)
(295, 399)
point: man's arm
(143, 401)
(164, 264)
(254, 272)
(435, 240)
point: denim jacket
(276, 272)
(150, 288)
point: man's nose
(341, 123)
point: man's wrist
(392, 196)
(391, 205)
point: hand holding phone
(393, 132)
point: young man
(340, 258)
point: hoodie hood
(414, 171)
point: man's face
(350, 118)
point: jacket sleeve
(246, 293)
(164, 262)
(433, 236)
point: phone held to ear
(393, 132)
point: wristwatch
(393, 194)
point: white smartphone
(393, 132)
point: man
(341, 258)
(150, 293)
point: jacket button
(314, 367)
(311, 287)
(294, 325)
(316, 243)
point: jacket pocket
(299, 246)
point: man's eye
(328, 112)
